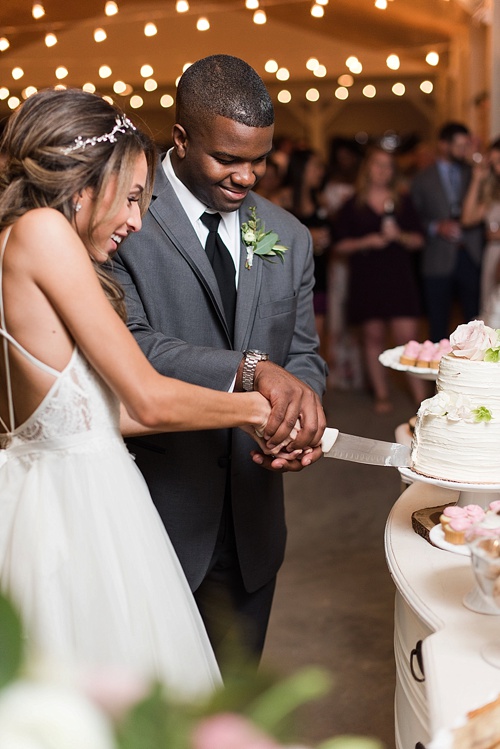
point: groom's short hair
(226, 86)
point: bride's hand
(280, 450)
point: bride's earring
(77, 207)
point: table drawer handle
(416, 653)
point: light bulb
(202, 24)
(50, 40)
(37, 11)
(99, 35)
(259, 17)
(111, 8)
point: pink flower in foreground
(229, 731)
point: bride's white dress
(83, 551)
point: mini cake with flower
(457, 433)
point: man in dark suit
(451, 258)
(212, 322)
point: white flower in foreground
(42, 716)
(438, 405)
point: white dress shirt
(229, 227)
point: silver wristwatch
(252, 358)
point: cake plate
(390, 358)
(468, 494)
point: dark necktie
(223, 266)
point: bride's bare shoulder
(41, 230)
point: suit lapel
(248, 287)
(171, 217)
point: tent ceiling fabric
(409, 28)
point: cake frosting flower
(473, 340)
(454, 407)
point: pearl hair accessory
(122, 125)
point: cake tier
(478, 380)
(448, 442)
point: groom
(201, 315)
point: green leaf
(266, 244)
(351, 742)
(272, 707)
(482, 414)
(156, 723)
(11, 642)
(492, 355)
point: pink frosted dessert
(410, 353)
(426, 354)
(454, 531)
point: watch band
(252, 358)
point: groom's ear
(180, 139)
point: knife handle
(328, 439)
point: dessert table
(440, 673)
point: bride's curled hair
(43, 168)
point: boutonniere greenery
(260, 242)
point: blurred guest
(376, 229)
(270, 184)
(344, 357)
(451, 258)
(302, 196)
(482, 206)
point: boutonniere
(260, 242)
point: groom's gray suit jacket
(175, 312)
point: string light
(271, 66)
(136, 101)
(105, 71)
(345, 80)
(381, 4)
(61, 72)
(427, 87)
(320, 71)
(284, 96)
(259, 17)
(50, 40)
(89, 87)
(312, 63)
(399, 89)
(28, 91)
(186, 66)
(100, 35)
(119, 87)
(282, 74)
(13, 102)
(369, 91)
(341, 93)
(111, 8)
(17, 73)
(182, 6)
(252, 4)
(312, 94)
(150, 29)
(166, 101)
(393, 62)
(4, 44)
(37, 11)
(146, 71)
(432, 58)
(4, 92)
(202, 24)
(150, 84)
(317, 11)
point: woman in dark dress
(302, 195)
(376, 230)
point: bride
(82, 551)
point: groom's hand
(291, 401)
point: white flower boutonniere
(260, 242)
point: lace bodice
(78, 403)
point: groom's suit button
(223, 461)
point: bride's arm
(59, 265)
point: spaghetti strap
(8, 338)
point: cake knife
(335, 444)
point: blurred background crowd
(406, 240)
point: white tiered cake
(457, 434)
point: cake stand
(390, 358)
(468, 494)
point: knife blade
(335, 444)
